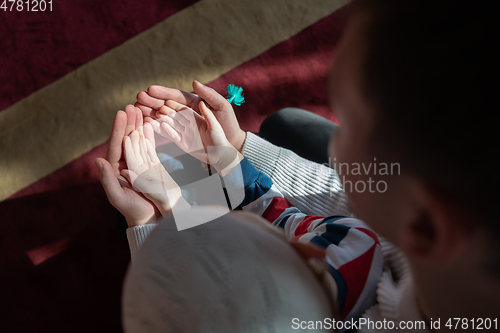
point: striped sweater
(353, 252)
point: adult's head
(413, 84)
(233, 274)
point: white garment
(252, 280)
(316, 189)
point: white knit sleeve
(311, 187)
(137, 235)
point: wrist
(179, 204)
(173, 200)
(240, 140)
(134, 222)
(228, 162)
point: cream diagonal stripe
(66, 119)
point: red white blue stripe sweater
(353, 252)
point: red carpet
(63, 261)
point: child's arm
(353, 252)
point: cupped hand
(146, 173)
(189, 130)
(156, 96)
(136, 208)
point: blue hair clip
(235, 95)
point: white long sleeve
(137, 235)
(309, 186)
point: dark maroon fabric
(78, 288)
(37, 48)
(290, 74)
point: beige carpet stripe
(66, 119)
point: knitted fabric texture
(228, 275)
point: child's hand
(147, 174)
(186, 127)
(133, 205)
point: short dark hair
(429, 72)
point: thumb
(212, 123)
(109, 182)
(129, 175)
(212, 97)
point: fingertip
(129, 108)
(98, 164)
(121, 117)
(142, 97)
(164, 126)
(197, 85)
(205, 109)
(138, 116)
(153, 90)
(102, 164)
(125, 174)
(162, 110)
(202, 105)
(130, 111)
(120, 122)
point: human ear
(438, 231)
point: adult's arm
(137, 235)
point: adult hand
(133, 205)
(182, 125)
(156, 96)
(186, 128)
